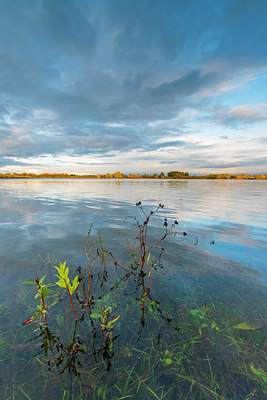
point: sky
(97, 86)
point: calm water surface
(40, 215)
(225, 249)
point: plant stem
(71, 301)
(42, 297)
(102, 250)
(89, 262)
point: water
(221, 263)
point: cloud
(242, 114)
(257, 162)
(110, 78)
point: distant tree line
(119, 175)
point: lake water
(211, 282)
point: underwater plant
(113, 335)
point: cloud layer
(91, 86)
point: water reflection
(36, 214)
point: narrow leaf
(61, 284)
(95, 315)
(41, 280)
(244, 325)
(114, 320)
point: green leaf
(37, 315)
(62, 266)
(66, 273)
(61, 270)
(168, 361)
(61, 284)
(74, 285)
(215, 326)
(202, 326)
(57, 269)
(29, 283)
(148, 258)
(198, 313)
(54, 302)
(95, 315)
(244, 325)
(41, 280)
(47, 292)
(259, 373)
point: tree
(118, 175)
(177, 174)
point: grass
(192, 340)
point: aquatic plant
(43, 293)
(114, 335)
(64, 282)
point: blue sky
(136, 86)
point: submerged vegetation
(119, 329)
